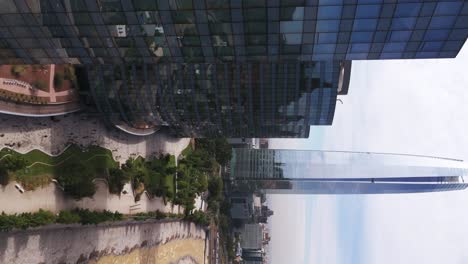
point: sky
(398, 106)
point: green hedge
(156, 215)
(42, 217)
(199, 218)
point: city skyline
(420, 112)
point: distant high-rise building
(252, 237)
(237, 68)
(334, 172)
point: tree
(207, 144)
(4, 177)
(198, 217)
(8, 164)
(223, 151)
(39, 84)
(159, 170)
(215, 187)
(77, 180)
(213, 206)
(17, 70)
(12, 162)
(68, 217)
(117, 180)
(69, 73)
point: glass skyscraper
(218, 99)
(335, 172)
(116, 31)
(240, 68)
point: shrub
(215, 187)
(26, 220)
(77, 180)
(68, 217)
(41, 85)
(199, 218)
(88, 217)
(117, 180)
(69, 73)
(17, 70)
(13, 162)
(4, 176)
(223, 151)
(41, 218)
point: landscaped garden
(35, 75)
(154, 175)
(32, 77)
(198, 171)
(74, 169)
(65, 77)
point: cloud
(287, 228)
(427, 228)
(404, 106)
(324, 246)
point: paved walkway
(53, 97)
(24, 134)
(52, 198)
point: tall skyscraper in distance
(338, 172)
(238, 68)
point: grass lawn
(41, 168)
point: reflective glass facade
(229, 99)
(239, 68)
(114, 31)
(328, 172)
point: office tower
(116, 31)
(238, 100)
(195, 45)
(335, 172)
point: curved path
(28, 110)
(24, 134)
(62, 161)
